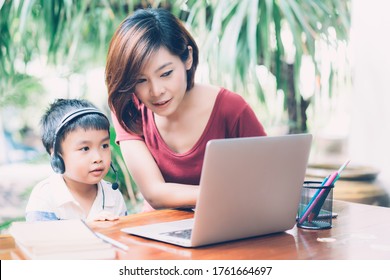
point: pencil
(319, 196)
(112, 241)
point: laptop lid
(249, 187)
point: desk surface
(359, 232)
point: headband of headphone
(57, 163)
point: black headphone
(57, 163)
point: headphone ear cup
(57, 163)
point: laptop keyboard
(185, 233)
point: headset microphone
(114, 185)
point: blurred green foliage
(235, 38)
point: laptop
(248, 187)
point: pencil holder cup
(315, 208)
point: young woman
(163, 119)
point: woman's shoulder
(223, 99)
(202, 97)
(230, 96)
(206, 91)
(229, 101)
(211, 93)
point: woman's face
(161, 84)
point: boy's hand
(105, 216)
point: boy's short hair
(56, 112)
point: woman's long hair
(133, 43)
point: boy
(77, 137)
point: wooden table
(359, 232)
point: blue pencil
(320, 197)
(314, 197)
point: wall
(369, 139)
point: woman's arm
(150, 181)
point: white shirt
(51, 200)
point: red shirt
(231, 117)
